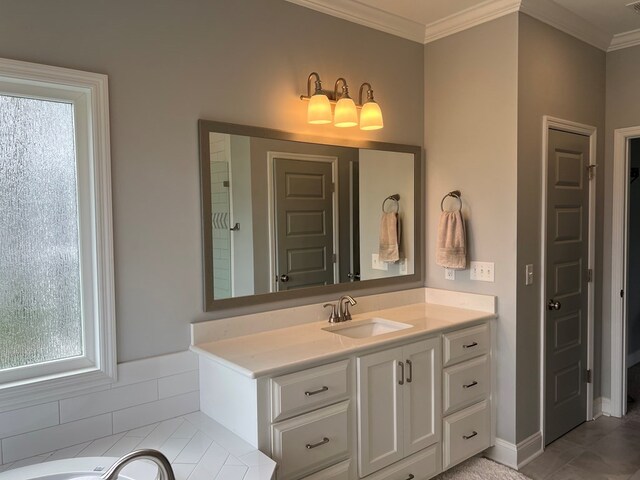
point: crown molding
(368, 16)
(470, 17)
(625, 40)
(565, 20)
(546, 11)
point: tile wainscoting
(147, 391)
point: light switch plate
(376, 264)
(482, 271)
(528, 274)
(449, 274)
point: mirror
(286, 216)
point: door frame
(619, 270)
(549, 122)
(271, 157)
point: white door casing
(619, 274)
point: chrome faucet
(165, 472)
(333, 316)
(343, 307)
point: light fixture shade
(346, 114)
(371, 116)
(319, 110)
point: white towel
(451, 250)
(389, 250)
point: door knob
(284, 278)
(554, 305)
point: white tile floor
(197, 447)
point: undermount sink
(370, 327)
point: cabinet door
(380, 416)
(421, 395)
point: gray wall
(622, 110)
(171, 63)
(470, 141)
(560, 76)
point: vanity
(400, 393)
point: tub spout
(164, 467)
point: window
(56, 260)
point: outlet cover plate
(376, 264)
(449, 274)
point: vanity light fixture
(370, 115)
(346, 114)
(346, 110)
(319, 109)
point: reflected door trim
(271, 158)
(548, 123)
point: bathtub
(87, 468)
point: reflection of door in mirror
(231, 215)
(304, 232)
(220, 151)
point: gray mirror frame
(265, 299)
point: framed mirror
(287, 216)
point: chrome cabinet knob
(284, 277)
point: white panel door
(421, 395)
(380, 415)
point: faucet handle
(333, 316)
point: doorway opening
(625, 273)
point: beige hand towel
(451, 250)
(389, 238)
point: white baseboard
(633, 358)
(601, 406)
(516, 456)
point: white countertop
(198, 448)
(273, 351)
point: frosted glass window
(40, 292)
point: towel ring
(394, 198)
(455, 194)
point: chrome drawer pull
(467, 437)
(411, 476)
(401, 381)
(471, 345)
(314, 445)
(410, 376)
(472, 384)
(323, 389)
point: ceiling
(607, 24)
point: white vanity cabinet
(398, 404)
(467, 426)
(406, 410)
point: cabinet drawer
(465, 344)
(309, 389)
(336, 472)
(466, 433)
(308, 443)
(466, 383)
(419, 466)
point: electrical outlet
(376, 264)
(449, 274)
(404, 267)
(528, 274)
(482, 271)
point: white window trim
(89, 93)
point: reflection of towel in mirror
(389, 237)
(451, 250)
